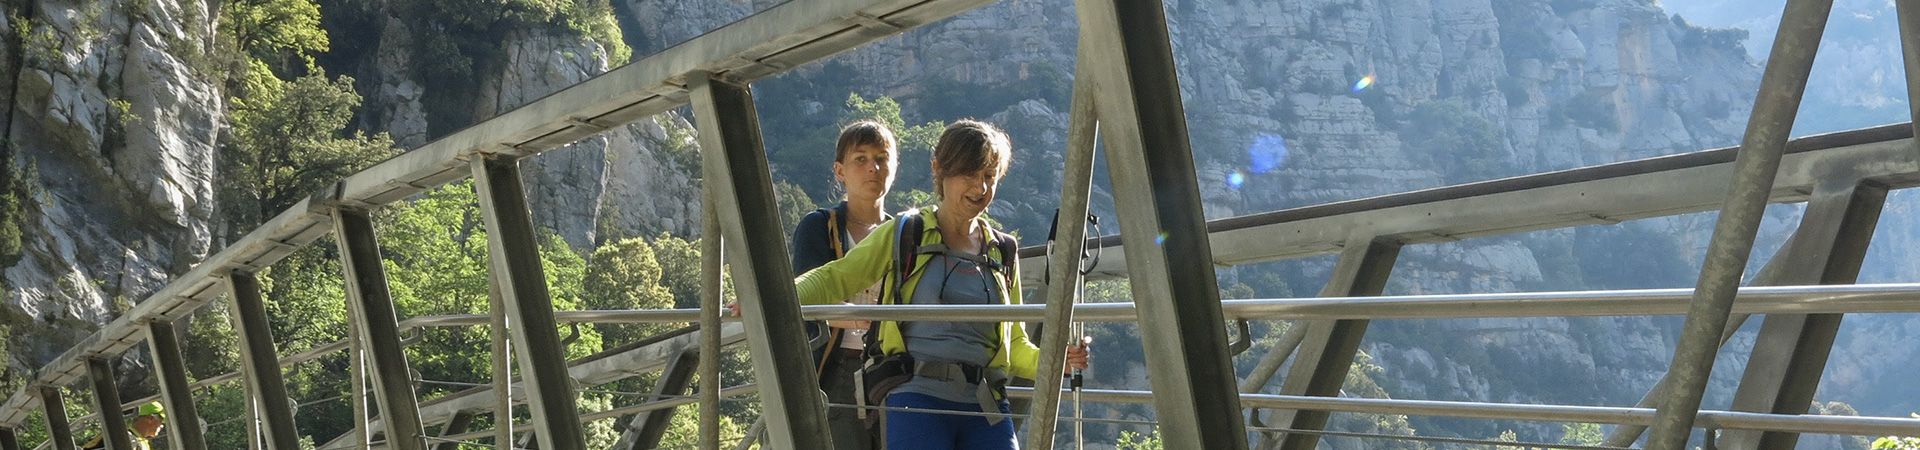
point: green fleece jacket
(868, 263)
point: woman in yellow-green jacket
(957, 259)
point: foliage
(625, 274)
(1508, 436)
(288, 145)
(1457, 141)
(1135, 441)
(15, 191)
(1898, 442)
(279, 34)
(1582, 434)
(794, 204)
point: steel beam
(1790, 353)
(379, 330)
(1849, 425)
(58, 430)
(1755, 168)
(1076, 181)
(1909, 17)
(266, 385)
(106, 399)
(183, 417)
(737, 178)
(647, 428)
(711, 258)
(514, 255)
(1151, 164)
(454, 427)
(502, 364)
(1330, 345)
(1276, 356)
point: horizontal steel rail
(585, 372)
(1603, 194)
(730, 392)
(1841, 425)
(1858, 298)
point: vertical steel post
(502, 366)
(1909, 17)
(58, 429)
(1755, 166)
(1270, 364)
(379, 329)
(458, 424)
(8, 441)
(1330, 345)
(736, 177)
(710, 272)
(1063, 266)
(357, 382)
(1790, 354)
(106, 400)
(1162, 225)
(176, 392)
(646, 429)
(514, 257)
(260, 364)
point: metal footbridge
(1125, 95)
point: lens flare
(1364, 83)
(1161, 239)
(1236, 179)
(1268, 153)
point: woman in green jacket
(958, 259)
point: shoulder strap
(833, 233)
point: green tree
(280, 36)
(1581, 434)
(624, 274)
(1135, 441)
(288, 145)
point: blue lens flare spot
(1268, 153)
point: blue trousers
(913, 430)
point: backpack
(884, 372)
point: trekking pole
(1089, 259)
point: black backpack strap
(906, 241)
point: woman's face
(866, 171)
(967, 194)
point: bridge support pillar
(1320, 367)
(176, 392)
(59, 430)
(379, 329)
(741, 187)
(106, 401)
(514, 259)
(1150, 159)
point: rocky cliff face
(113, 135)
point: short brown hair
(969, 146)
(865, 132)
